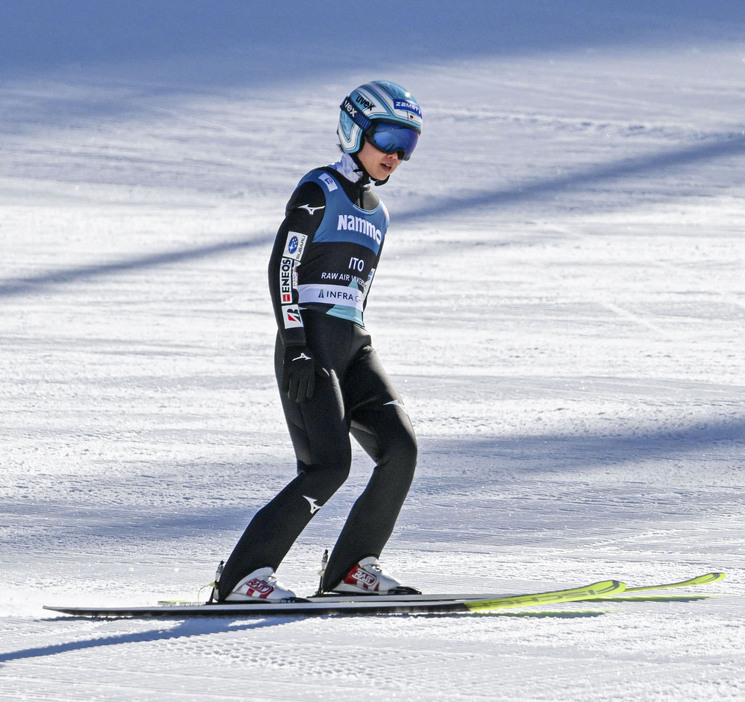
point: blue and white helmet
(376, 100)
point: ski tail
(604, 588)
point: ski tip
(705, 579)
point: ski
(604, 588)
(640, 592)
(355, 607)
(705, 579)
(408, 597)
(360, 605)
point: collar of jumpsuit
(349, 168)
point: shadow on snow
(184, 630)
(726, 146)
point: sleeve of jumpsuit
(303, 215)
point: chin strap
(366, 177)
(350, 168)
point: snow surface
(561, 301)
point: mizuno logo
(303, 357)
(311, 210)
(314, 506)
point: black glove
(299, 373)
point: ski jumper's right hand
(299, 373)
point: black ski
(344, 606)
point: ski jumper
(320, 273)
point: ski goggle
(392, 138)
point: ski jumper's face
(378, 164)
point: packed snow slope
(561, 302)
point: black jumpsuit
(357, 397)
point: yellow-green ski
(639, 592)
(601, 589)
(705, 579)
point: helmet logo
(366, 104)
(407, 105)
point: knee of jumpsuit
(327, 474)
(393, 446)
(401, 451)
(404, 460)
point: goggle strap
(356, 115)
